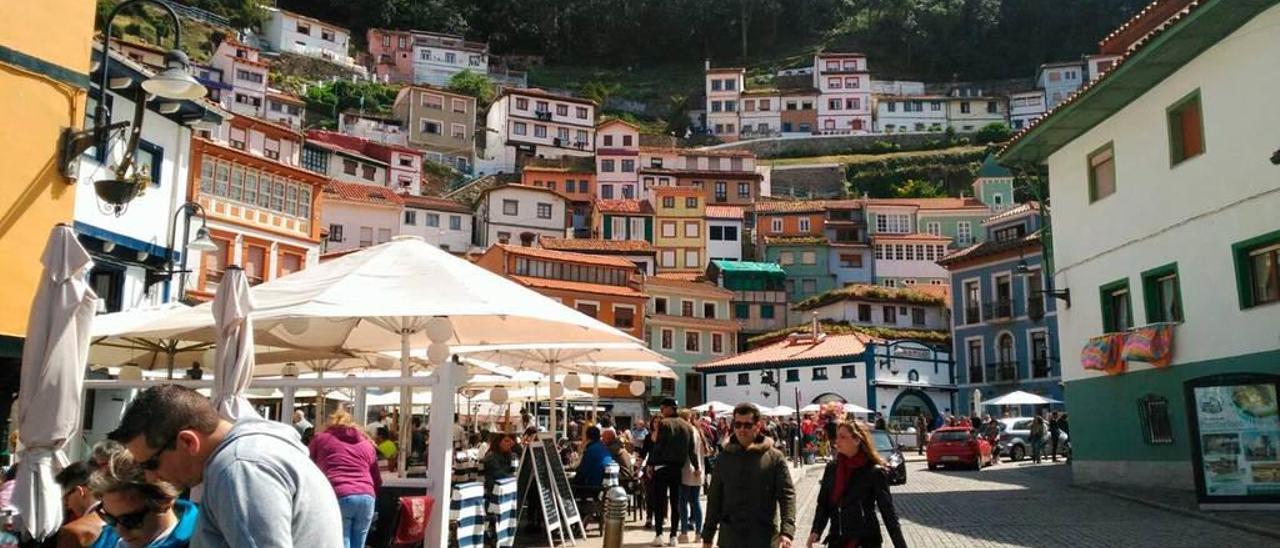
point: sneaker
(657, 540)
(671, 541)
(683, 538)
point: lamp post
(202, 242)
(174, 82)
(1065, 294)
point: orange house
(779, 218)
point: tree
(995, 132)
(600, 91)
(474, 84)
(919, 188)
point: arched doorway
(908, 405)
(829, 397)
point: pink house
(404, 173)
(391, 53)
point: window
(1102, 173)
(775, 225)
(964, 233)
(668, 229)
(1117, 311)
(562, 110)
(890, 315)
(787, 258)
(848, 371)
(1153, 413)
(410, 217)
(519, 128)
(335, 233)
(668, 258)
(766, 311)
(692, 229)
(717, 343)
(540, 131)
(624, 317)
(741, 311)
(455, 222)
(368, 172)
(544, 210)
(606, 192)
(433, 220)
(1161, 295)
(659, 305)
(510, 208)
(1186, 129)
(808, 257)
(668, 339)
(934, 228)
(366, 236)
(744, 190)
(804, 224)
(522, 103)
(720, 380)
(992, 108)
(744, 379)
(458, 131)
(1039, 354)
(964, 107)
(864, 313)
(1258, 270)
(819, 374)
(721, 191)
(581, 112)
(975, 361)
(562, 134)
(303, 28)
(686, 309)
(691, 258)
(692, 341)
(895, 223)
(590, 309)
(327, 34)
(504, 237)
(690, 203)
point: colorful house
(849, 256)
(791, 234)
(1006, 333)
(759, 294)
(680, 222)
(618, 159)
(688, 321)
(622, 220)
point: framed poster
(1235, 432)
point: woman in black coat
(853, 485)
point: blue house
(1005, 331)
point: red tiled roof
(930, 203)
(689, 281)
(942, 291)
(433, 203)
(728, 153)
(286, 97)
(612, 121)
(1012, 212)
(915, 236)
(724, 212)
(544, 94)
(563, 285)
(1143, 22)
(795, 349)
(585, 245)
(638, 207)
(365, 194)
(722, 175)
(678, 276)
(364, 146)
(565, 256)
(790, 206)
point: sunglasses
(128, 521)
(151, 464)
(743, 425)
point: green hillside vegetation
(845, 328)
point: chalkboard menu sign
(534, 480)
(569, 505)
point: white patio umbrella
(402, 295)
(53, 366)
(233, 365)
(781, 411)
(856, 409)
(718, 407)
(811, 408)
(1018, 397)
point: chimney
(706, 64)
(815, 328)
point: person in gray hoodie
(260, 487)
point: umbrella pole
(551, 392)
(406, 406)
(595, 395)
(440, 453)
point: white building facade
(359, 216)
(822, 368)
(519, 215)
(441, 222)
(528, 123)
(724, 233)
(293, 33)
(844, 82)
(908, 379)
(438, 57)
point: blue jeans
(357, 516)
(690, 509)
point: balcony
(998, 311)
(1040, 368)
(1005, 372)
(1035, 307)
(544, 115)
(975, 373)
(972, 314)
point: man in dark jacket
(751, 492)
(672, 449)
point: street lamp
(201, 243)
(174, 82)
(1065, 294)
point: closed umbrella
(233, 367)
(53, 364)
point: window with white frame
(668, 229)
(775, 225)
(669, 258)
(667, 338)
(893, 223)
(804, 224)
(934, 228)
(964, 233)
(691, 258)
(693, 342)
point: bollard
(615, 511)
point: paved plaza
(1011, 504)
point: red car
(956, 445)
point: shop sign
(1235, 430)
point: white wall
(724, 249)
(854, 390)
(847, 311)
(526, 218)
(352, 216)
(1190, 213)
(456, 240)
(281, 31)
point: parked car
(958, 445)
(1015, 439)
(894, 461)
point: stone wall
(828, 145)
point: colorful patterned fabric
(1103, 353)
(1152, 344)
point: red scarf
(845, 467)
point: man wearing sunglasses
(260, 486)
(751, 493)
(83, 526)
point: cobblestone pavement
(1020, 504)
(1008, 505)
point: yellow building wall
(34, 108)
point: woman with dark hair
(853, 485)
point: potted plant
(124, 188)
